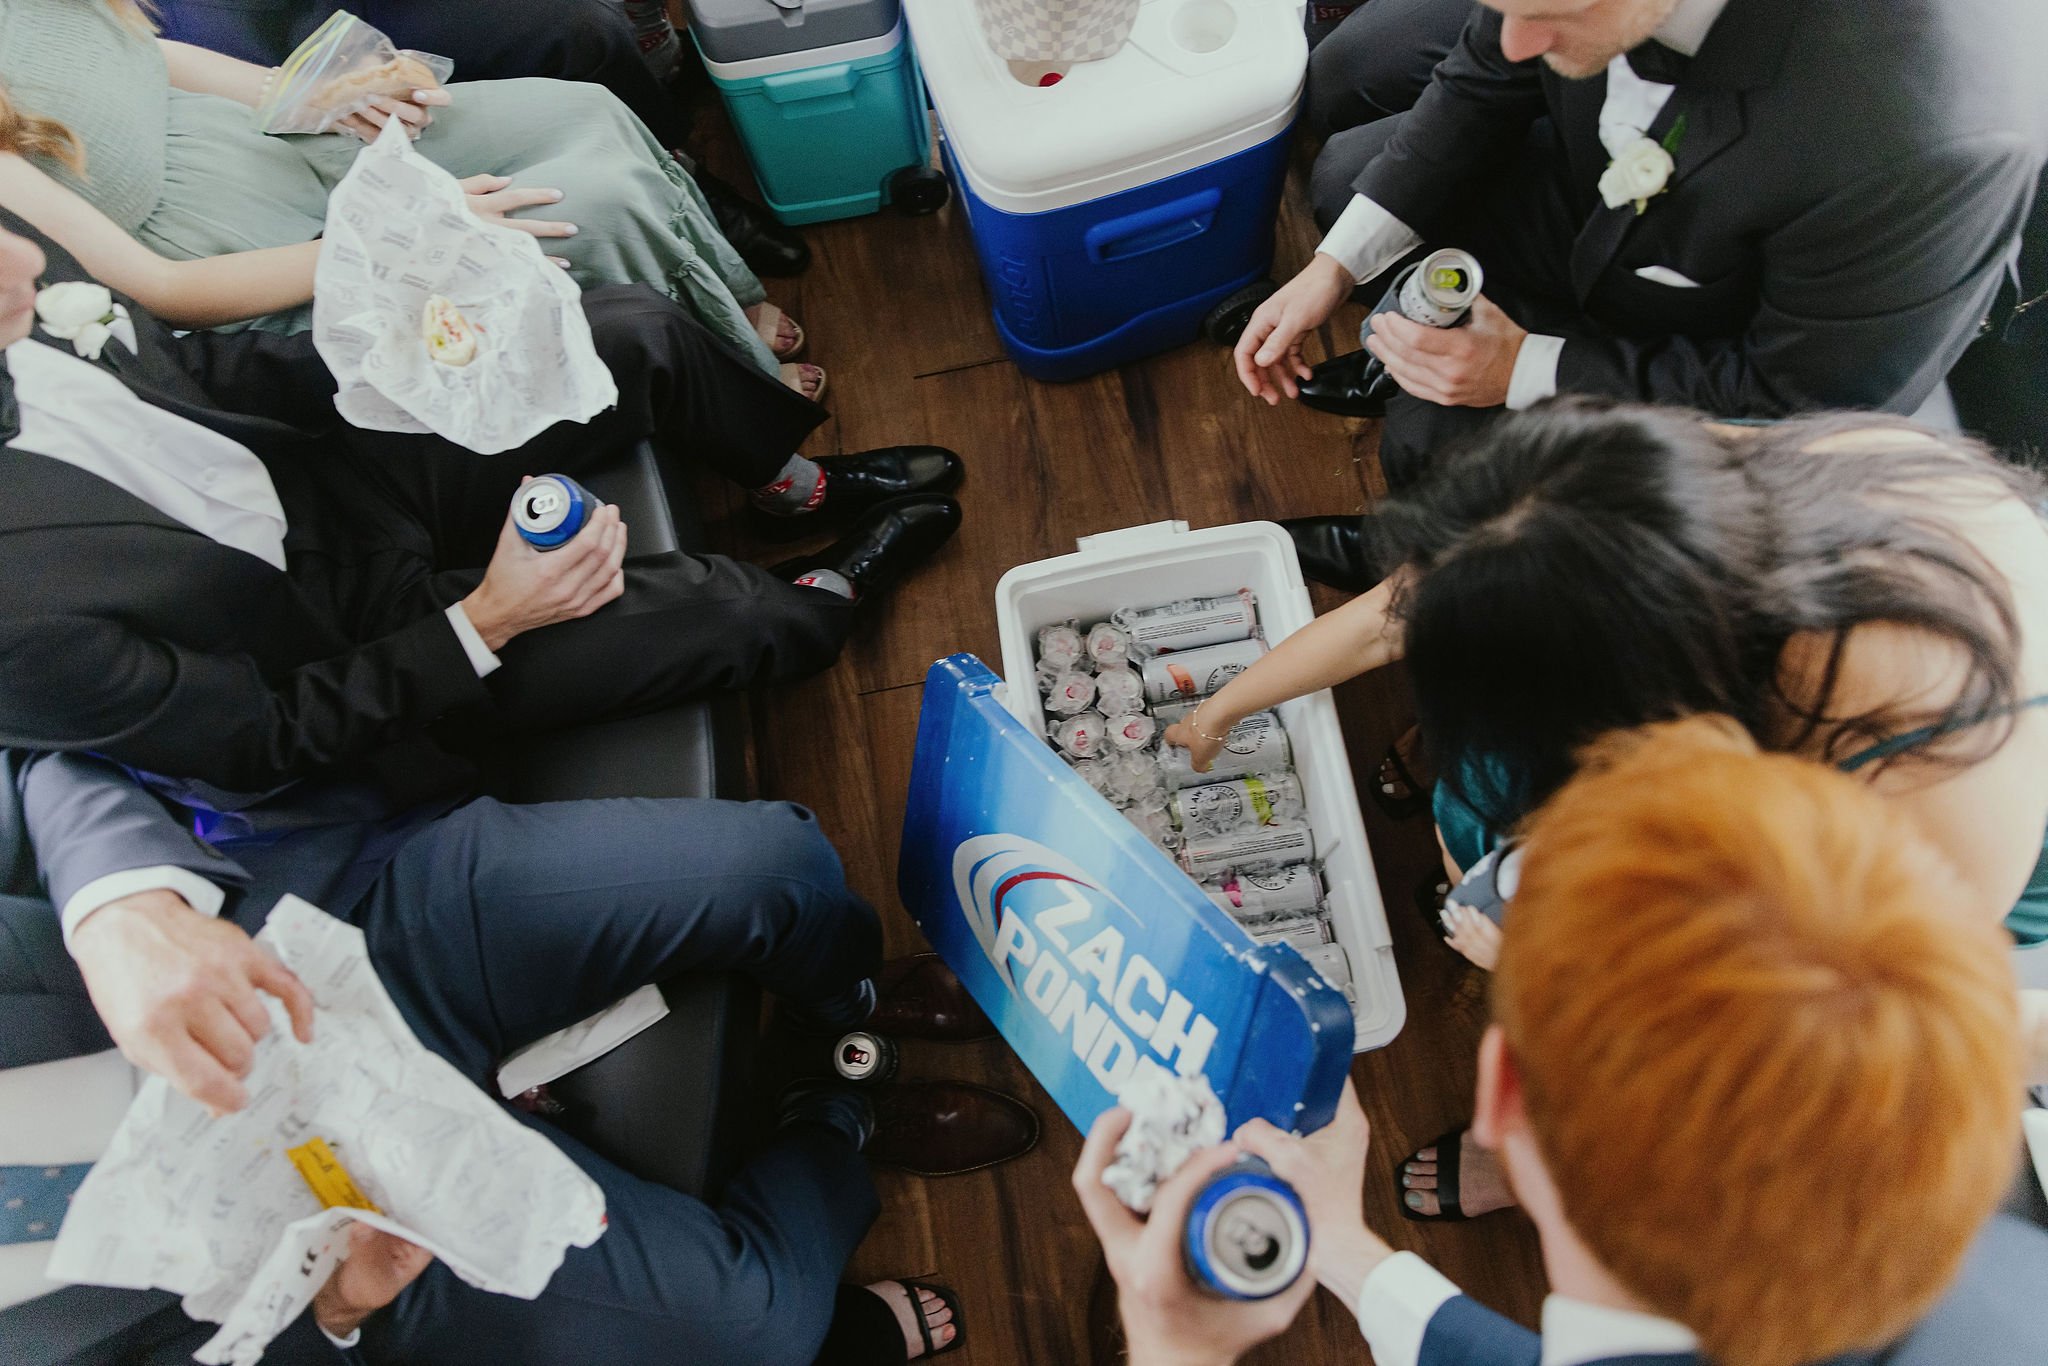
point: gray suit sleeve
(1471, 120)
(88, 817)
(1867, 299)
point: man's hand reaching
(1268, 355)
(182, 993)
(378, 1266)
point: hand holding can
(526, 588)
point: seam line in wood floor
(955, 369)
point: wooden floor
(895, 310)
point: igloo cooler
(824, 95)
(1090, 948)
(1113, 208)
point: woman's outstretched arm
(1357, 638)
(189, 294)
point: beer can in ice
(1262, 846)
(550, 510)
(1305, 934)
(866, 1058)
(1293, 890)
(1198, 673)
(1247, 1234)
(1189, 623)
(1257, 744)
(1238, 804)
(1438, 290)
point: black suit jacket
(125, 632)
(1851, 179)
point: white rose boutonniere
(80, 312)
(1641, 170)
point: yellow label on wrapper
(330, 1182)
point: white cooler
(1141, 566)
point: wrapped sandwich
(449, 337)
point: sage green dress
(190, 176)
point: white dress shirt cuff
(203, 896)
(1535, 374)
(1395, 1306)
(480, 657)
(343, 1343)
(1366, 239)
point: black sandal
(1447, 1154)
(865, 1330)
(1419, 795)
(947, 1300)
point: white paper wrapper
(399, 231)
(212, 1209)
(1172, 1119)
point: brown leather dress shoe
(920, 998)
(944, 1128)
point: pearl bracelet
(1212, 739)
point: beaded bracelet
(1193, 716)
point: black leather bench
(669, 1104)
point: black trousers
(572, 40)
(412, 522)
(1379, 61)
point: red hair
(1773, 1069)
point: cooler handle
(1150, 536)
(1154, 229)
(812, 83)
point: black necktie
(10, 410)
(1655, 62)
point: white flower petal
(91, 340)
(66, 307)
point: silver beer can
(1263, 846)
(1198, 673)
(1189, 623)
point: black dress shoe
(856, 483)
(1353, 385)
(888, 543)
(766, 245)
(1332, 551)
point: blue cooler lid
(746, 30)
(1088, 948)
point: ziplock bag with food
(336, 71)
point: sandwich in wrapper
(449, 337)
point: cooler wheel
(1227, 321)
(919, 190)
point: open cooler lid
(1198, 81)
(1089, 949)
(746, 30)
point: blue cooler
(1114, 207)
(825, 98)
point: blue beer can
(1247, 1234)
(550, 510)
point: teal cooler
(825, 97)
